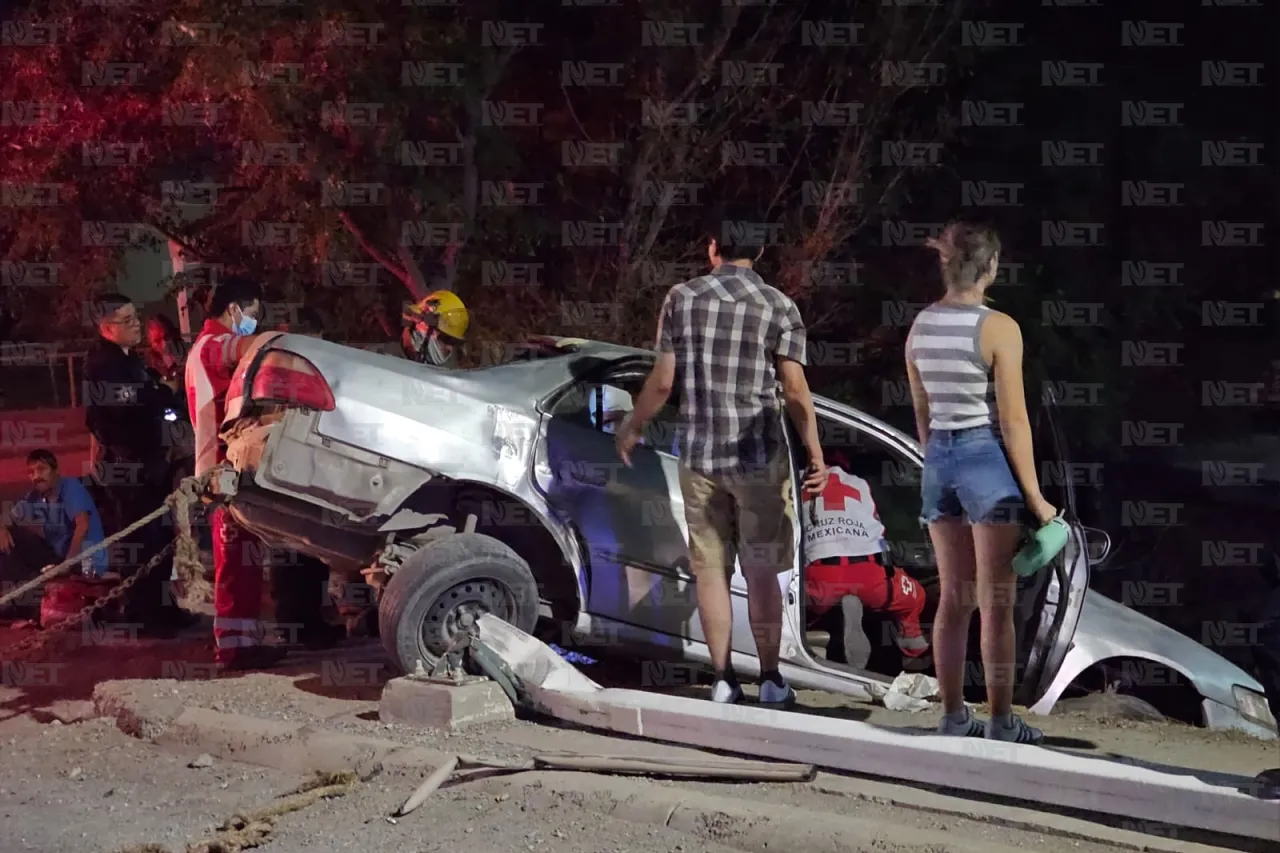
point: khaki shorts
(750, 518)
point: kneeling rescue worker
(844, 541)
(231, 318)
(434, 328)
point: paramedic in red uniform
(231, 318)
(844, 544)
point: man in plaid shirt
(732, 338)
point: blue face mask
(245, 325)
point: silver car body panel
(398, 424)
(1110, 631)
(470, 426)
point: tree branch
(573, 114)
(374, 253)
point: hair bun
(943, 247)
(966, 251)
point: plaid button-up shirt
(727, 330)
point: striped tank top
(945, 346)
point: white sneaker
(725, 693)
(773, 695)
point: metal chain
(48, 632)
(66, 566)
(180, 502)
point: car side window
(575, 404)
(579, 404)
(895, 485)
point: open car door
(630, 518)
(1058, 591)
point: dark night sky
(1113, 112)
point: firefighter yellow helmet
(434, 326)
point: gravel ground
(91, 789)
(275, 697)
(87, 787)
(458, 819)
(89, 770)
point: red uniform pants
(237, 590)
(886, 591)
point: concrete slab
(1138, 835)
(225, 735)
(434, 705)
(138, 712)
(291, 747)
(1173, 795)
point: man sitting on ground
(55, 520)
(844, 544)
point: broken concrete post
(441, 704)
(1199, 799)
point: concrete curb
(303, 749)
(146, 720)
(290, 747)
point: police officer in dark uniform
(125, 416)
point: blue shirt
(56, 519)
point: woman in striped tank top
(964, 362)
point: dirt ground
(91, 789)
(60, 780)
(1091, 734)
(88, 787)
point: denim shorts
(967, 475)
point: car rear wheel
(443, 587)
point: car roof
(529, 380)
(603, 351)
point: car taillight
(291, 380)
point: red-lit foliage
(273, 138)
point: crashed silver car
(456, 492)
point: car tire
(1108, 706)
(439, 586)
